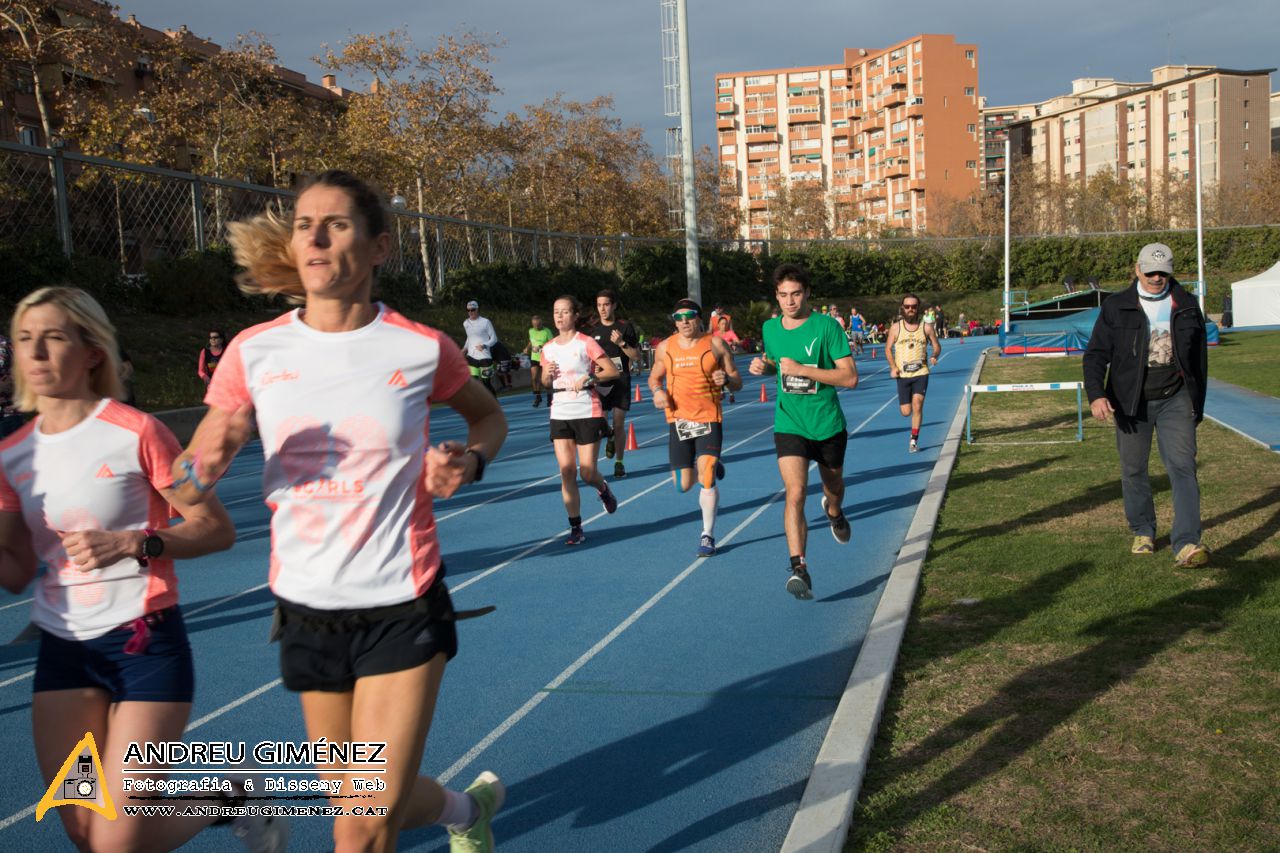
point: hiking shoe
(799, 584)
(706, 546)
(1142, 545)
(619, 471)
(913, 447)
(261, 833)
(576, 536)
(607, 498)
(1192, 556)
(489, 793)
(839, 524)
(609, 446)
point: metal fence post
(488, 237)
(577, 250)
(197, 212)
(535, 249)
(61, 202)
(439, 260)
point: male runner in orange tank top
(697, 367)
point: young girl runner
(573, 363)
(341, 390)
(86, 492)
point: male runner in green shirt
(810, 354)
(539, 336)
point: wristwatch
(481, 462)
(152, 547)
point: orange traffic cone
(632, 444)
(873, 352)
(637, 398)
(764, 397)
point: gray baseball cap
(1155, 257)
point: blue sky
(584, 48)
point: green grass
(1090, 700)
(1248, 359)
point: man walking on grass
(1147, 363)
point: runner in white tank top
(86, 496)
(342, 390)
(573, 363)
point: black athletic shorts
(907, 387)
(684, 452)
(618, 396)
(327, 650)
(829, 452)
(581, 430)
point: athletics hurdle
(970, 390)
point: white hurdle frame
(970, 390)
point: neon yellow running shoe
(489, 794)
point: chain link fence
(131, 214)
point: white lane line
(536, 699)
(189, 613)
(15, 603)
(556, 537)
(232, 705)
(17, 678)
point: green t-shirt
(539, 338)
(806, 407)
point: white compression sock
(709, 499)
(460, 810)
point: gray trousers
(1173, 422)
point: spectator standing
(210, 355)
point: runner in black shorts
(697, 368)
(907, 350)
(620, 343)
(810, 354)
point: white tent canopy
(1256, 301)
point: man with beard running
(620, 343)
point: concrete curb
(825, 815)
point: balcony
(725, 107)
(915, 110)
(761, 89)
(754, 136)
(758, 203)
(874, 193)
(724, 122)
(894, 98)
(803, 101)
(897, 169)
(808, 167)
(893, 152)
(872, 121)
(805, 117)
(916, 185)
(891, 80)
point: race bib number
(691, 429)
(799, 384)
(617, 362)
(912, 366)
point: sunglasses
(684, 315)
(1157, 274)
(912, 307)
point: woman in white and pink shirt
(86, 494)
(573, 363)
(341, 392)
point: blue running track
(631, 695)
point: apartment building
(1146, 131)
(995, 130)
(884, 133)
(1275, 122)
(131, 74)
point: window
(25, 83)
(1246, 82)
(1246, 146)
(725, 83)
(973, 128)
(1246, 125)
(968, 54)
(28, 136)
(971, 164)
(1246, 103)
(760, 80)
(728, 149)
(968, 90)
(724, 99)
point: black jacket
(1119, 342)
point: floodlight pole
(1008, 167)
(1204, 286)
(692, 268)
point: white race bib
(686, 430)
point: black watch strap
(481, 462)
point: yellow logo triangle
(79, 782)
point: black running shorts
(829, 452)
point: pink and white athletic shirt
(574, 360)
(345, 420)
(102, 474)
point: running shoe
(609, 446)
(489, 794)
(1192, 556)
(839, 525)
(537, 401)
(913, 447)
(607, 498)
(706, 546)
(261, 833)
(732, 399)
(1142, 545)
(799, 584)
(576, 536)
(619, 471)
